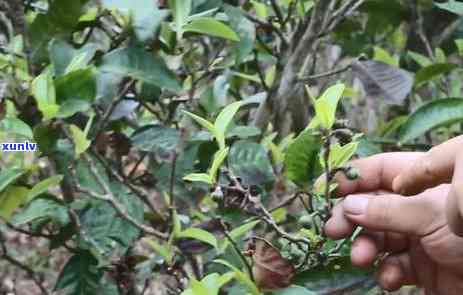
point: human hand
(414, 231)
(442, 164)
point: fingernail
(355, 205)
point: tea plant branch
(260, 73)
(269, 26)
(137, 164)
(140, 193)
(421, 32)
(346, 10)
(276, 8)
(328, 174)
(29, 271)
(29, 233)
(326, 74)
(113, 105)
(267, 218)
(172, 203)
(237, 249)
(111, 199)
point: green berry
(352, 174)
(306, 221)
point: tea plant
(191, 146)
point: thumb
(455, 199)
(407, 215)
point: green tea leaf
(8, 176)
(293, 290)
(158, 139)
(238, 232)
(80, 140)
(251, 162)
(219, 157)
(301, 160)
(452, 6)
(42, 209)
(11, 199)
(202, 122)
(79, 85)
(44, 92)
(199, 234)
(14, 126)
(242, 277)
(440, 112)
(212, 27)
(340, 155)
(199, 177)
(43, 186)
(140, 65)
(145, 16)
(326, 105)
(224, 120)
(80, 275)
(338, 277)
(181, 9)
(432, 72)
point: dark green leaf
(199, 234)
(8, 176)
(441, 112)
(452, 6)
(338, 277)
(250, 161)
(293, 290)
(246, 32)
(14, 126)
(141, 65)
(101, 222)
(211, 26)
(44, 208)
(43, 186)
(61, 18)
(62, 53)
(80, 276)
(432, 72)
(146, 17)
(156, 138)
(77, 85)
(301, 159)
(10, 200)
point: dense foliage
(179, 142)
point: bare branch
(111, 199)
(29, 271)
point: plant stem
(237, 250)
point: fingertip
(338, 226)
(390, 276)
(338, 229)
(364, 251)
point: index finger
(376, 172)
(433, 168)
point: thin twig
(278, 13)
(237, 249)
(111, 199)
(113, 106)
(140, 193)
(326, 74)
(30, 272)
(269, 26)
